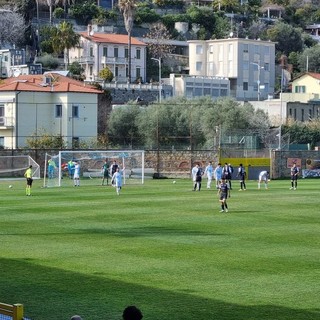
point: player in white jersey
(263, 176)
(209, 172)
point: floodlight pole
(159, 62)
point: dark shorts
(29, 182)
(106, 174)
(293, 178)
(223, 196)
(198, 178)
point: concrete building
(52, 103)
(98, 50)
(249, 65)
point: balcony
(84, 60)
(115, 60)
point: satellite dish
(16, 73)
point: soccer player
(113, 168)
(28, 175)
(242, 177)
(294, 172)
(76, 175)
(227, 171)
(218, 174)
(51, 168)
(117, 180)
(224, 193)
(209, 172)
(105, 172)
(263, 176)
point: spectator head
(132, 313)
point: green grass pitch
(163, 248)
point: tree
(106, 75)
(310, 58)
(128, 9)
(12, 28)
(45, 140)
(122, 126)
(287, 38)
(65, 38)
(76, 70)
(158, 37)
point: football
(174, 181)
(10, 186)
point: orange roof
(59, 83)
(111, 38)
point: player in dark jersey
(294, 173)
(224, 193)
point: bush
(49, 62)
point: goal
(14, 167)
(58, 173)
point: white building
(52, 103)
(98, 50)
(198, 86)
(249, 64)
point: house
(249, 65)
(98, 50)
(52, 103)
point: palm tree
(128, 9)
(65, 38)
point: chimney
(90, 30)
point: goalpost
(59, 172)
(14, 167)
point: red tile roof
(37, 83)
(111, 38)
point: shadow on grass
(51, 294)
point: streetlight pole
(159, 61)
(258, 81)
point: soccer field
(163, 248)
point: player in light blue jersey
(209, 172)
(217, 173)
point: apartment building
(50, 103)
(249, 65)
(98, 50)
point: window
(266, 67)
(138, 72)
(75, 111)
(290, 112)
(211, 65)
(267, 50)
(116, 71)
(1, 142)
(105, 52)
(199, 49)
(211, 49)
(91, 51)
(300, 89)
(295, 114)
(302, 115)
(127, 72)
(198, 66)
(126, 52)
(245, 65)
(90, 70)
(245, 48)
(116, 52)
(1, 115)
(138, 54)
(310, 114)
(58, 110)
(256, 49)
(245, 86)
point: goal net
(59, 169)
(14, 167)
